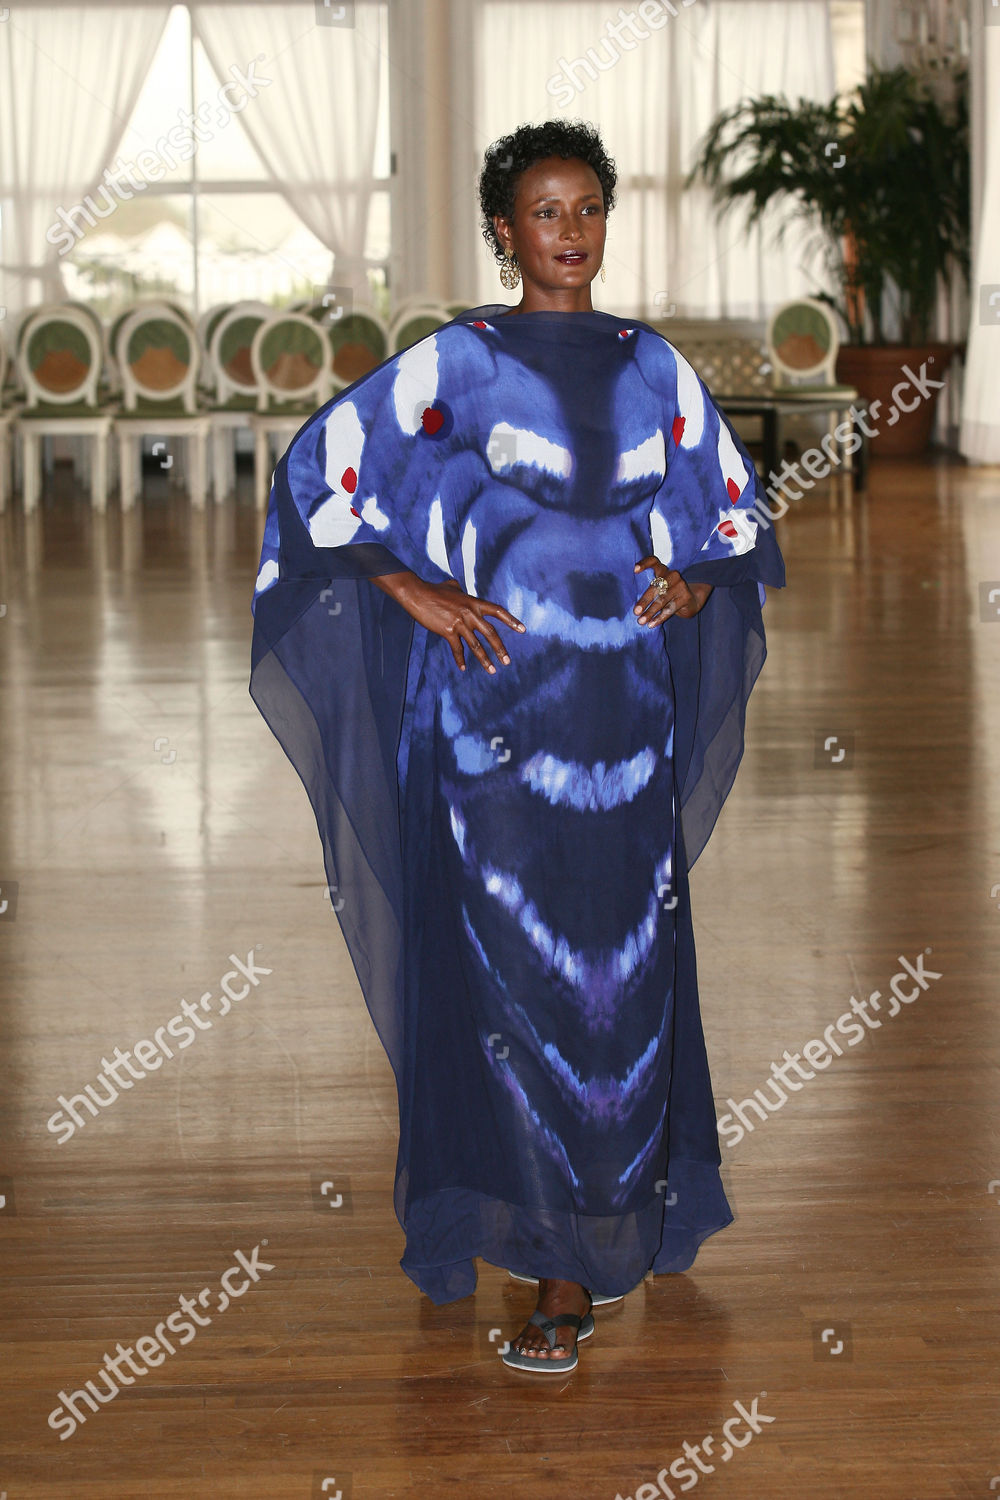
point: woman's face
(558, 211)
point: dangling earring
(510, 272)
(603, 275)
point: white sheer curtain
(69, 79)
(314, 123)
(979, 436)
(881, 19)
(652, 103)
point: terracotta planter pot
(877, 371)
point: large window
(213, 225)
(653, 91)
(212, 229)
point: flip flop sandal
(598, 1299)
(584, 1328)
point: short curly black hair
(508, 157)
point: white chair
(802, 343)
(205, 327)
(158, 359)
(415, 322)
(229, 339)
(113, 333)
(59, 362)
(291, 359)
(107, 389)
(359, 340)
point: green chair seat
(246, 403)
(148, 408)
(45, 410)
(290, 409)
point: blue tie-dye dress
(507, 854)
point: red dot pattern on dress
(728, 529)
(432, 420)
(478, 323)
(734, 490)
(678, 429)
(349, 480)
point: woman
(506, 623)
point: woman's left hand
(683, 599)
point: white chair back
(803, 341)
(415, 322)
(291, 360)
(59, 357)
(229, 352)
(158, 358)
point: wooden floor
(151, 827)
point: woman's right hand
(447, 610)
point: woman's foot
(554, 1299)
(598, 1299)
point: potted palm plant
(883, 175)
